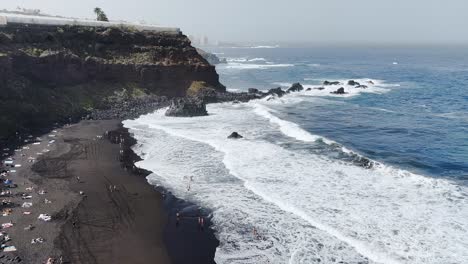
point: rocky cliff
(49, 74)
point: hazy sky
(316, 21)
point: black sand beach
(117, 218)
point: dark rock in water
(309, 89)
(319, 88)
(253, 90)
(363, 162)
(278, 91)
(330, 83)
(362, 86)
(296, 87)
(235, 135)
(371, 82)
(185, 107)
(353, 83)
(339, 91)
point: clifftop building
(26, 19)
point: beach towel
(26, 205)
(7, 225)
(45, 217)
(9, 249)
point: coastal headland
(71, 192)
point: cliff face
(49, 74)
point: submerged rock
(330, 83)
(353, 83)
(362, 86)
(235, 135)
(296, 87)
(319, 88)
(339, 91)
(187, 107)
(309, 89)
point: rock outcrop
(331, 83)
(353, 83)
(339, 91)
(235, 135)
(51, 73)
(253, 90)
(296, 87)
(186, 107)
(276, 91)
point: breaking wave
(305, 206)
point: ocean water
(297, 177)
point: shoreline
(132, 224)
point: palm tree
(100, 15)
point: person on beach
(255, 234)
(177, 219)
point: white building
(7, 19)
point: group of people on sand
(8, 192)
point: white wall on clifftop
(7, 18)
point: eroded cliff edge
(49, 73)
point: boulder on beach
(331, 83)
(353, 83)
(187, 107)
(235, 135)
(253, 90)
(276, 91)
(362, 86)
(339, 91)
(296, 87)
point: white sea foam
(250, 66)
(306, 207)
(265, 47)
(245, 60)
(257, 59)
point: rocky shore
(50, 74)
